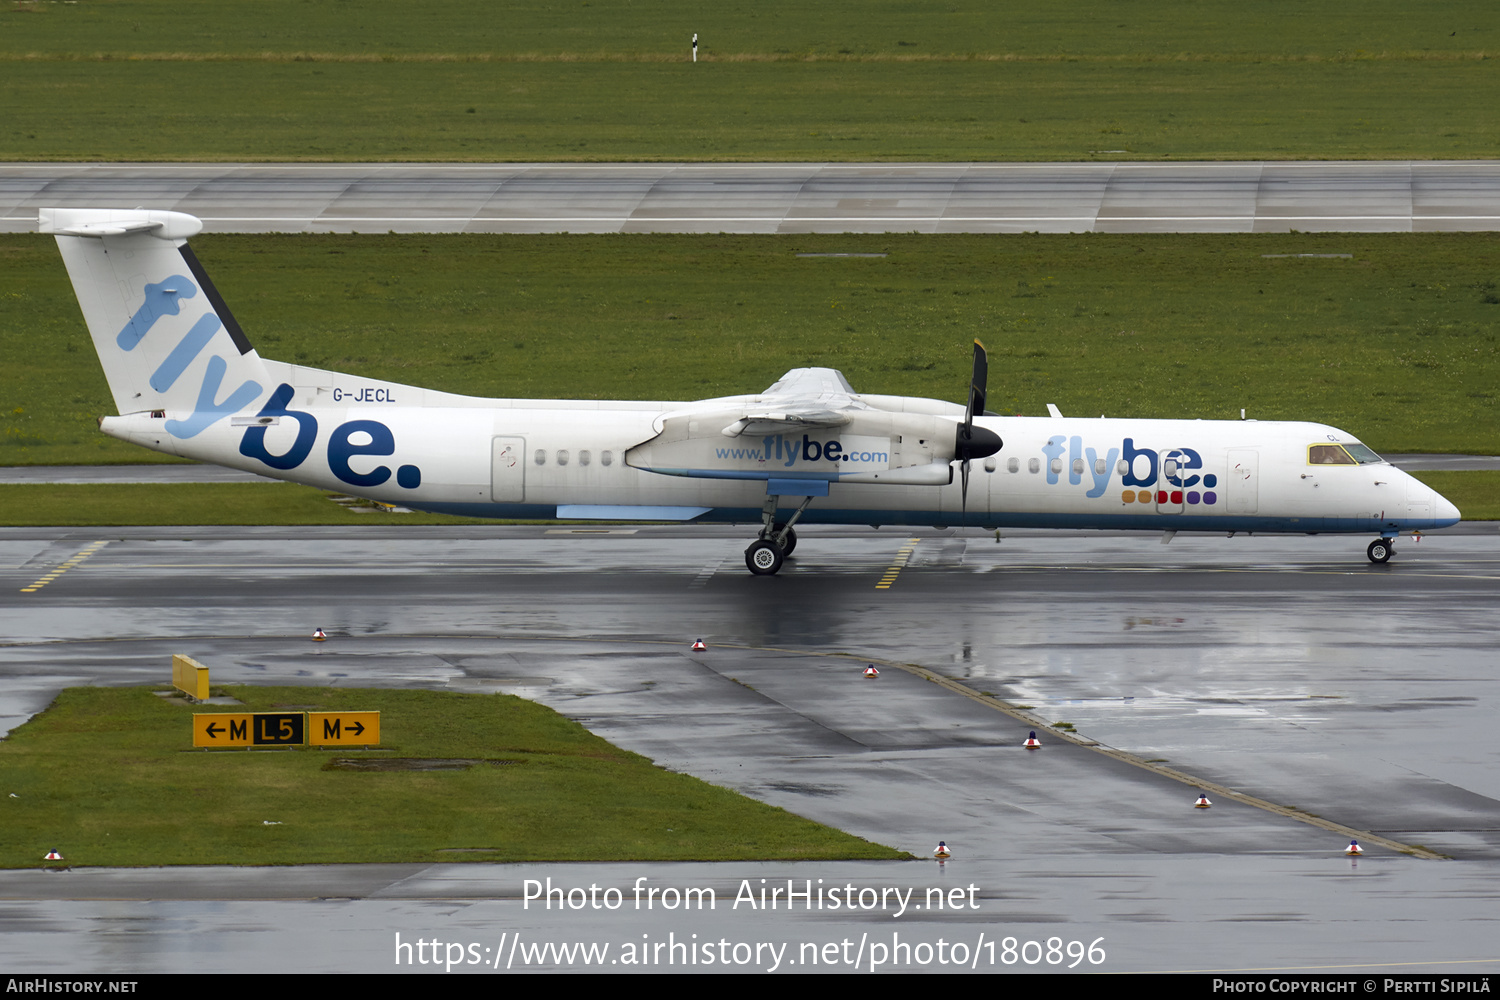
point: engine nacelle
(858, 446)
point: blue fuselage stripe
(1012, 519)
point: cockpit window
(1362, 454)
(1328, 454)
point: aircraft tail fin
(166, 340)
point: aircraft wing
(812, 383)
(810, 426)
(802, 398)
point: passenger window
(583, 457)
(562, 456)
(1034, 465)
(540, 458)
(1014, 465)
(606, 458)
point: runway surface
(1289, 669)
(1230, 197)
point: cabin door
(507, 470)
(1242, 484)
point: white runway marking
(706, 573)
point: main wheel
(1380, 551)
(763, 558)
(791, 539)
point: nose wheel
(766, 554)
(1380, 550)
(764, 558)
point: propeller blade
(977, 384)
(976, 442)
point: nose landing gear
(764, 558)
(766, 554)
(1381, 550)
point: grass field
(1396, 344)
(1476, 494)
(737, 30)
(107, 776)
(578, 80)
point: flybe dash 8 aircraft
(809, 449)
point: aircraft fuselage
(514, 458)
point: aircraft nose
(1444, 511)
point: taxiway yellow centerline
(903, 554)
(74, 561)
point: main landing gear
(1381, 550)
(777, 539)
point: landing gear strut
(766, 554)
(1380, 550)
(788, 533)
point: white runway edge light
(1032, 742)
(941, 852)
(1354, 850)
(319, 635)
(53, 856)
(1202, 802)
(871, 672)
(698, 646)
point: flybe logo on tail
(347, 442)
(164, 298)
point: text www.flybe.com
(788, 452)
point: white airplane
(187, 382)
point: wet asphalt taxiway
(1286, 670)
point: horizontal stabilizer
(101, 222)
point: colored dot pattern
(1174, 497)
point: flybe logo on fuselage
(786, 452)
(348, 440)
(1176, 470)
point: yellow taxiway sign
(343, 729)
